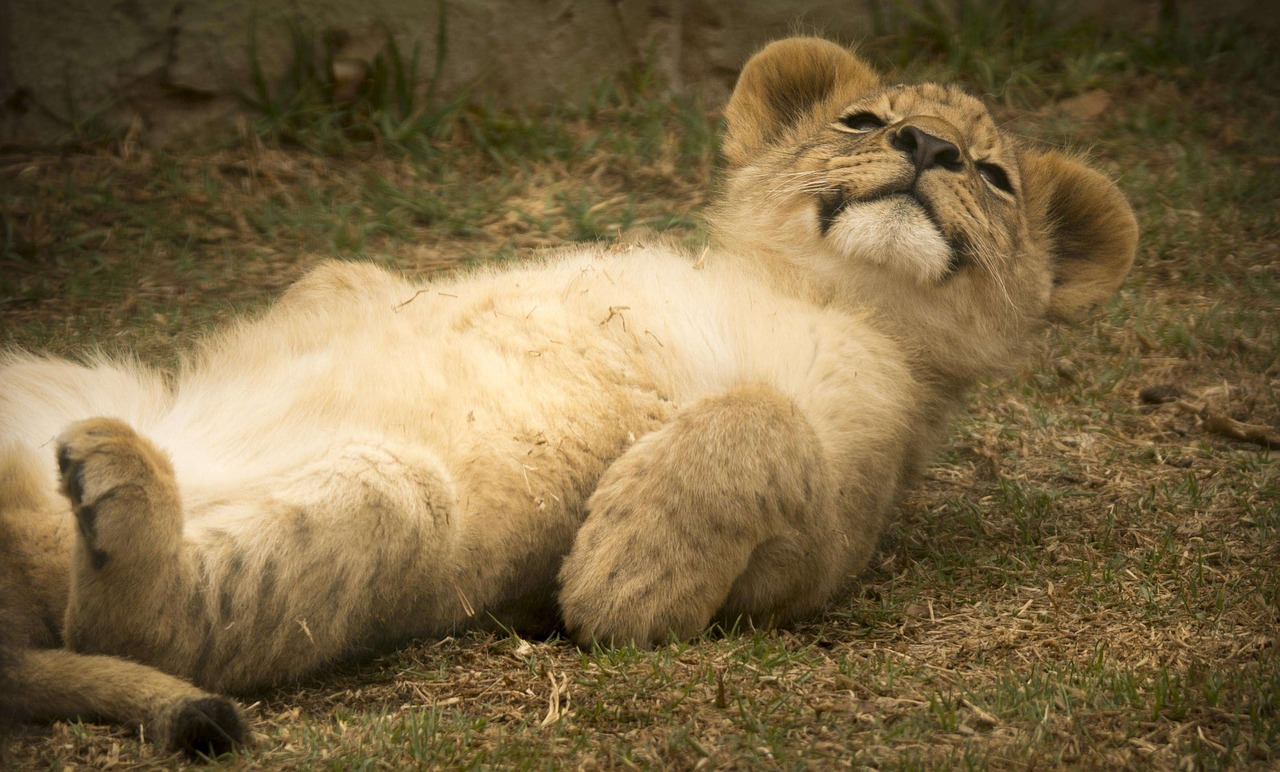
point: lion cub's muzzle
(926, 143)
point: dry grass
(1089, 576)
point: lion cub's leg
(58, 684)
(678, 519)
(127, 564)
(265, 584)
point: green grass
(1082, 580)
(319, 105)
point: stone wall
(174, 67)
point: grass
(325, 103)
(1083, 579)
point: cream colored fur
(622, 441)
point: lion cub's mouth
(888, 217)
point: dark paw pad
(86, 514)
(210, 726)
(72, 472)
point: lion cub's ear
(1091, 233)
(788, 84)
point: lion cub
(627, 443)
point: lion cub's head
(909, 200)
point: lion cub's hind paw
(117, 483)
(209, 726)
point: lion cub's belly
(525, 383)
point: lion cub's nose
(926, 150)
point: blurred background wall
(171, 68)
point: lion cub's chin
(894, 232)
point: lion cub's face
(910, 201)
(917, 180)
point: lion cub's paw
(628, 581)
(628, 607)
(121, 489)
(208, 726)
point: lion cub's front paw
(648, 565)
(622, 584)
(121, 489)
(674, 522)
